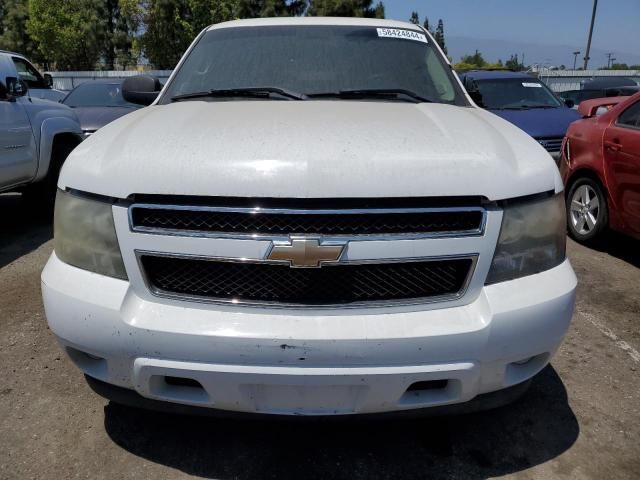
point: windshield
(313, 60)
(93, 94)
(516, 94)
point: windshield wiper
(252, 92)
(380, 93)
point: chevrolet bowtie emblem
(305, 252)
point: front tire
(587, 211)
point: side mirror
(569, 103)
(3, 91)
(141, 90)
(15, 88)
(48, 80)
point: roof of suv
(494, 74)
(370, 22)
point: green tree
(465, 66)
(14, 15)
(439, 36)
(2, 12)
(171, 25)
(69, 33)
(619, 66)
(121, 23)
(415, 18)
(268, 8)
(167, 33)
(426, 25)
(514, 64)
(346, 8)
(476, 60)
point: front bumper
(308, 362)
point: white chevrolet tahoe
(311, 218)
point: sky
(530, 23)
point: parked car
(97, 103)
(17, 66)
(524, 101)
(597, 83)
(35, 138)
(601, 169)
(312, 218)
(578, 96)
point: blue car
(524, 101)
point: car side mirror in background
(141, 89)
(569, 103)
(48, 80)
(15, 88)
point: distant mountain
(555, 55)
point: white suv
(312, 218)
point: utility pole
(575, 58)
(593, 19)
(610, 59)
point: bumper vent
(340, 284)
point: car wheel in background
(587, 213)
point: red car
(600, 167)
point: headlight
(85, 235)
(532, 239)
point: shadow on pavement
(537, 428)
(622, 247)
(23, 228)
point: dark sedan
(97, 103)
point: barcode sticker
(403, 34)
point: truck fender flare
(48, 130)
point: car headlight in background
(85, 235)
(532, 239)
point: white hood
(311, 149)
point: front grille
(335, 222)
(338, 284)
(551, 144)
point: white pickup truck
(36, 135)
(311, 218)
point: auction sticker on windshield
(404, 34)
(531, 85)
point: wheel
(587, 213)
